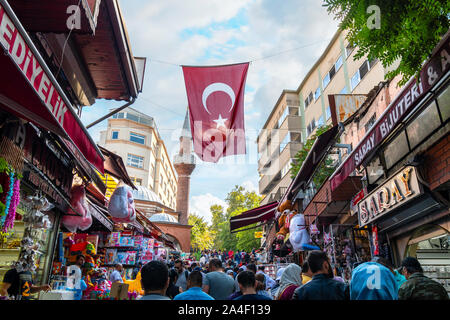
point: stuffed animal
(284, 211)
(73, 221)
(298, 232)
(121, 205)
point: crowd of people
(215, 278)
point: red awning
(246, 218)
(29, 90)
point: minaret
(184, 163)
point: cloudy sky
(283, 39)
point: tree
(390, 30)
(238, 201)
(324, 170)
(201, 235)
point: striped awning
(259, 214)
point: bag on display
(121, 205)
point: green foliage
(325, 169)
(409, 30)
(238, 201)
(201, 235)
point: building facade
(300, 112)
(134, 136)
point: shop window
(430, 245)
(374, 170)
(444, 104)
(115, 135)
(396, 149)
(423, 125)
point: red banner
(216, 109)
(404, 103)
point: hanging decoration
(9, 221)
(72, 220)
(121, 205)
(9, 192)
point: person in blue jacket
(373, 281)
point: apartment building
(278, 142)
(300, 112)
(134, 136)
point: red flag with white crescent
(216, 108)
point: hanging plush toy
(121, 205)
(284, 211)
(73, 221)
(298, 233)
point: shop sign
(42, 185)
(21, 50)
(403, 104)
(258, 234)
(397, 190)
(355, 200)
(343, 106)
(102, 219)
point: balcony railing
(186, 158)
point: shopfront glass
(430, 244)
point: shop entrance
(430, 244)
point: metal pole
(111, 113)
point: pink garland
(9, 222)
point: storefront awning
(29, 90)
(114, 166)
(100, 213)
(318, 151)
(255, 215)
(399, 109)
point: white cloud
(200, 205)
(249, 186)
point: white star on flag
(220, 122)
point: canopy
(29, 90)
(258, 214)
(316, 154)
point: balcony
(186, 158)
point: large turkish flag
(216, 109)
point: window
(320, 122)
(118, 115)
(370, 123)
(134, 137)
(348, 50)
(286, 168)
(343, 91)
(115, 135)
(137, 181)
(338, 64)
(363, 69)
(396, 150)
(283, 116)
(308, 100)
(285, 142)
(135, 161)
(444, 102)
(328, 113)
(355, 80)
(317, 94)
(326, 80)
(423, 125)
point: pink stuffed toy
(121, 205)
(72, 221)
